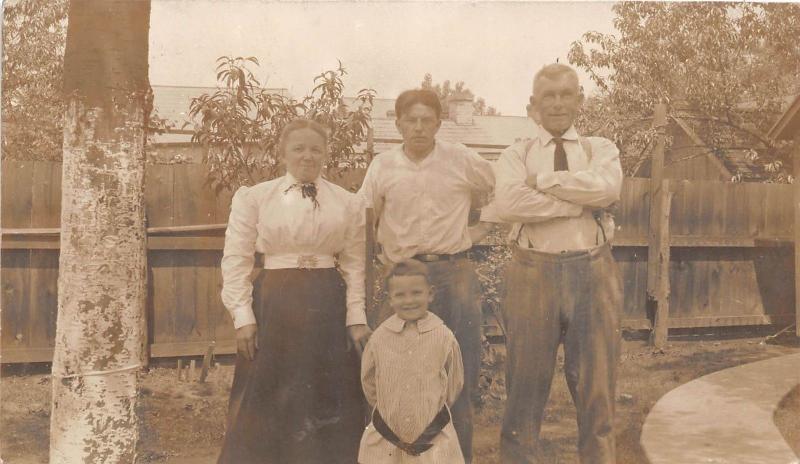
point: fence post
(658, 234)
(658, 337)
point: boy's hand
(247, 341)
(358, 335)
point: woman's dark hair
(411, 97)
(297, 124)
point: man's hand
(385, 267)
(479, 231)
(358, 336)
(531, 182)
(247, 341)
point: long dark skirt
(299, 401)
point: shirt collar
(426, 324)
(428, 159)
(546, 137)
(289, 180)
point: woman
(296, 396)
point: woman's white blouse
(291, 232)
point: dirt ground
(183, 421)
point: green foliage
(727, 67)
(490, 263)
(239, 124)
(34, 37)
(445, 90)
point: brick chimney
(460, 109)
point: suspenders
(597, 214)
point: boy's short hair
(409, 267)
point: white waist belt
(300, 261)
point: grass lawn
(184, 421)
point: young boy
(412, 373)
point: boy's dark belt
(423, 442)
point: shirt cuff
(242, 316)
(356, 316)
(489, 213)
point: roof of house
(172, 102)
(487, 134)
(788, 125)
(730, 162)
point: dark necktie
(560, 159)
(307, 189)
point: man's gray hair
(554, 71)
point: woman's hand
(358, 336)
(247, 341)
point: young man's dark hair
(411, 97)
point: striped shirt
(409, 371)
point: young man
(421, 193)
(412, 374)
(563, 284)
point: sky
(494, 47)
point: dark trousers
(457, 303)
(574, 298)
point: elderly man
(421, 194)
(562, 284)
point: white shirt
(409, 372)
(557, 215)
(424, 207)
(287, 227)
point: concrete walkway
(724, 418)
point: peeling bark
(102, 270)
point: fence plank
(45, 213)
(17, 194)
(682, 218)
(718, 278)
(682, 276)
(796, 198)
(191, 269)
(778, 213)
(15, 314)
(159, 207)
(17, 197)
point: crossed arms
(520, 197)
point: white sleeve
(238, 258)
(599, 185)
(352, 261)
(515, 201)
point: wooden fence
(732, 261)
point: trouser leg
(533, 332)
(457, 302)
(592, 347)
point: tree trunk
(101, 283)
